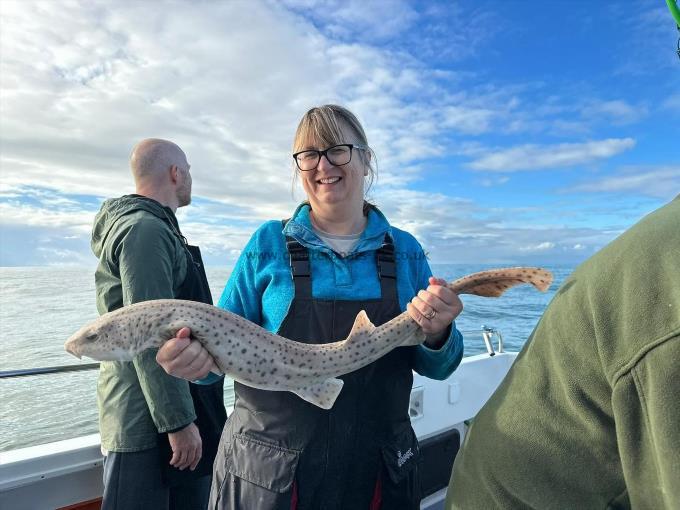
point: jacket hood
(115, 208)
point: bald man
(159, 434)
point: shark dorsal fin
(362, 326)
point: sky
(506, 132)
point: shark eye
(91, 337)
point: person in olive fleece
(588, 415)
(158, 435)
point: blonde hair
(321, 127)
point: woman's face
(330, 187)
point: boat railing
(488, 333)
(24, 372)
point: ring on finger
(431, 315)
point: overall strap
(387, 268)
(302, 275)
(299, 266)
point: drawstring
(376, 501)
(294, 497)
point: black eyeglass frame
(324, 153)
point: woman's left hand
(434, 309)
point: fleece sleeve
(147, 264)
(242, 295)
(646, 410)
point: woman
(278, 451)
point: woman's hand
(185, 358)
(434, 309)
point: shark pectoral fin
(321, 395)
(170, 330)
(362, 326)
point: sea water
(40, 307)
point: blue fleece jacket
(261, 288)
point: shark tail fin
(494, 282)
(323, 394)
(362, 327)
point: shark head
(100, 340)
(122, 334)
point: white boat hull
(56, 475)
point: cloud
(469, 120)
(649, 45)
(672, 103)
(220, 244)
(446, 31)
(16, 214)
(110, 78)
(94, 79)
(83, 81)
(489, 183)
(546, 245)
(87, 81)
(535, 157)
(55, 229)
(39, 226)
(662, 182)
(616, 111)
(457, 230)
(352, 19)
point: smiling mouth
(328, 180)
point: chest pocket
(400, 454)
(265, 465)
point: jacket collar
(300, 228)
(114, 209)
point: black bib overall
(281, 452)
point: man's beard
(183, 197)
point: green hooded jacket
(141, 257)
(588, 416)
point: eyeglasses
(337, 155)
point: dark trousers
(134, 481)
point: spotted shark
(258, 358)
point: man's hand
(186, 447)
(185, 358)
